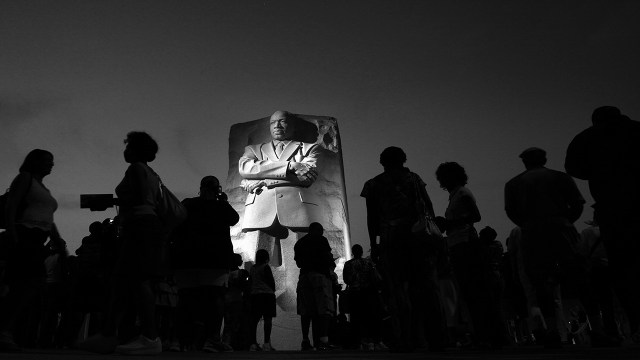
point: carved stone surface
(329, 188)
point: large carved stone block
(328, 191)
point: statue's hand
(253, 185)
(304, 172)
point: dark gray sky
(469, 81)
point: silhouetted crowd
(163, 275)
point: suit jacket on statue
(285, 197)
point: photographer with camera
(203, 255)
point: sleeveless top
(39, 207)
(135, 201)
(460, 207)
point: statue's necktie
(279, 149)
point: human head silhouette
(605, 114)
(38, 162)
(450, 175)
(357, 251)
(262, 256)
(533, 157)
(141, 147)
(95, 228)
(392, 157)
(210, 187)
(316, 229)
(487, 234)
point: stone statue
(276, 176)
(285, 172)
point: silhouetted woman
(29, 219)
(138, 262)
(462, 212)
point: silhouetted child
(233, 305)
(490, 252)
(263, 299)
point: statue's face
(281, 128)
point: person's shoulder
(372, 185)
(516, 179)
(139, 168)
(23, 177)
(558, 174)
(633, 125)
(586, 134)
(465, 192)
(190, 201)
(301, 241)
(412, 175)
(22, 181)
(376, 180)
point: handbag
(169, 209)
(427, 226)
(426, 229)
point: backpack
(170, 210)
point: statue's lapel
(290, 150)
(269, 152)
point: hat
(533, 153)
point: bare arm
(373, 228)
(58, 241)
(470, 215)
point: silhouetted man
(545, 203)
(607, 154)
(396, 201)
(314, 291)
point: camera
(222, 197)
(97, 202)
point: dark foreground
(520, 353)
